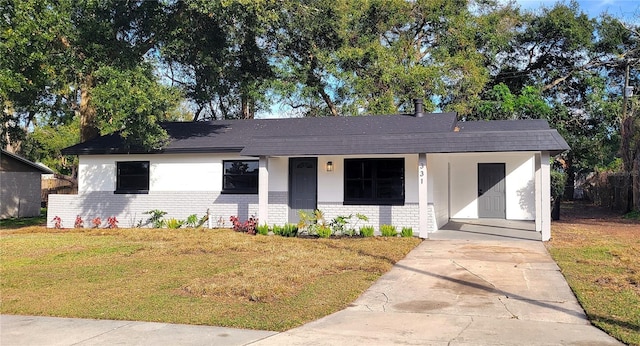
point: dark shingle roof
(503, 125)
(395, 134)
(38, 167)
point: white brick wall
(129, 209)
(278, 207)
(397, 215)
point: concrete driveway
(460, 292)
(445, 292)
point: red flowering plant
(96, 222)
(57, 222)
(248, 226)
(79, 223)
(112, 222)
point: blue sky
(628, 10)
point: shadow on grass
(19, 222)
(633, 327)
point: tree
(30, 52)
(55, 54)
(105, 33)
(45, 143)
(555, 55)
(306, 37)
(213, 52)
(499, 103)
(400, 50)
(622, 43)
(133, 103)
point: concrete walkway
(445, 292)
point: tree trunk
(635, 179)
(330, 104)
(555, 209)
(88, 116)
(247, 110)
(316, 82)
(569, 186)
(626, 141)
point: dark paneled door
(303, 185)
(491, 190)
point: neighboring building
(416, 171)
(20, 181)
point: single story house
(418, 170)
(20, 185)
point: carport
(487, 229)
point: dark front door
(303, 185)
(491, 192)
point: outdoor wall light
(329, 166)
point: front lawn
(598, 253)
(194, 276)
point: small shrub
(262, 229)
(289, 230)
(193, 221)
(173, 223)
(155, 218)
(112, 222)
(339, 224)
(248, 226)
(407, 232)
(57, 222)
(96, 222)
(323, 231)
(342, 224)
(359, 217)
(79, 223)
(311, 222)
(388, 231)
(366, 231)
(277, 230)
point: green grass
(14, 223)
(633, 215)
(599, 259)
(194, 276)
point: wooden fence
(56, 184)
(613, 190)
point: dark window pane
(353, 169)
(240, 167)
(240, 176)
(359, 189)
(390, 189)
(132, 176)
(374, 181)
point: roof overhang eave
(107, 151)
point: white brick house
(416, 171)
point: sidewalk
(41, 331)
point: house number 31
(422, 169)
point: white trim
(545, 201)
(263, 190)
(538, 193)
(423, 204)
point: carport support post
(423, 203)
(263, 190)
(543, 195)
